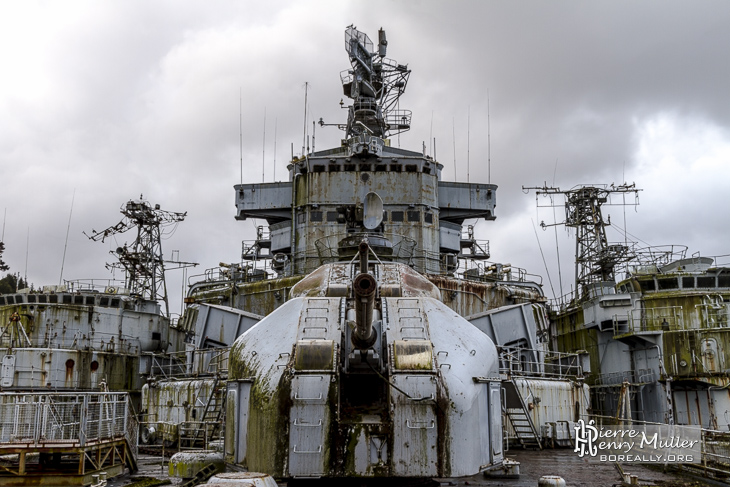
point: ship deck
(576, 471)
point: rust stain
(414, 284)
(69, 372)
(314, 284)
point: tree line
(11, 282)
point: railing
(328, 248)
(553, 365)
(75, 419)
(666, 318)
(494, 272)
(646, 260)
(253, 271)
(721, 260)
(15, 336)
(203, 361)
(632, 376)
(99, 285)
(197, 434)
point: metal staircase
(209, 426)
(201, 476)
(519, 417)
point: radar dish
(373, 211)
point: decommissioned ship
(75, 357)
(377, 341)
(650, 324)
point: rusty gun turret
(364, 286)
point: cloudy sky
(110, 100)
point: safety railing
(666, 318)
(202, 361)
(539, 363)
(67, 418)
(639, 376)
(486, 271)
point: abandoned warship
(74, 360)
(649, 323)
(369, 336)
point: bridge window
(668, 283)
(706, 281)
(647, 285)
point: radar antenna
(374, 83)
(142, 261)
(595, 258)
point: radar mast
(374, 83)
(595, 258)
(142, 261)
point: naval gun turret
(364, 376)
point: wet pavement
(576, 471)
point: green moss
(352, 440)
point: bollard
(551, 481)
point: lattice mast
(142, 261)
(374, 83)
(595, 258)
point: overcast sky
(117, 99)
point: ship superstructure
(377, 338)
(651, 322)
(75, 358)
(83, 333)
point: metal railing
(494, 272)
(666, 318)
(554, 365)
(67, 418)
(632, 376)
(110, 286)
(202, 361)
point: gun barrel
(363, 250)
(364, 287)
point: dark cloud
(115, 100)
